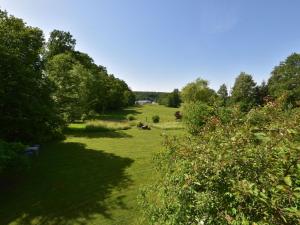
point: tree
(27, 112)
(198, 91)
(60, 42)
(174, 99)
(244, 91)
(70, 78)
(262, 93)
(285, 79)
(223, 94)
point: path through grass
(90, 178)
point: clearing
(90, 177)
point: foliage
(246, 171)
(152, 96)
(244, 92)
(60, 42)
(174, 99)
(130, 117)
(195, 116)
(27, 111)
(285, 79)
(178, 115)
(12, 158)
(262, 93)
(155, 119)
(198, 91)
(70, 78)
(223, 94)
(139, 124)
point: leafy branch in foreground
(243, 172)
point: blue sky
(159, 45)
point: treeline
(240, 162)
(46, 84)
(148, 95)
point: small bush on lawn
(130, 117)
(12, 158)
(139, 124)
(155, 119)
(178, 115)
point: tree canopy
(285, 79)
(198, 91)
(244, 91)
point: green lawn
(90, 178)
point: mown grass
(89, 178)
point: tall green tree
(59, 42)
(174, 99)
(27, 112)
(285, 79)
(223, 94)
(244, 91)
(70, 78)
(262, 93)
(198, 91)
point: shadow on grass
(97, 134)
(118, 115)
(67, 182)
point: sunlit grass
(93, 176)
(99, 126)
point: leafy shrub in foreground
(237, 173)
(195, 115)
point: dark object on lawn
(32, 150)
(155, 119)
(139, 124)
(178, 115)
(146, 127)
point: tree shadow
(66, 182)
(118, 115)
(97, 134)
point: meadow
(93, 176)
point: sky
(159, 45)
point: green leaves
(288, 180)
(243, 172)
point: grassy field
(91, 177)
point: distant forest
(152, 96)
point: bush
(139, 124)
(12, 158)
(195, 115)
(155, 119)
(130, 117)
(237, 173)
(178, 115)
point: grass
(97, 125)
(89, 178)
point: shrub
(238, 173)
(195, 115)
(12, 158)
(178, 115)
(130, 117)
(139, 124)
(155, 119)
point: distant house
(143, 102)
